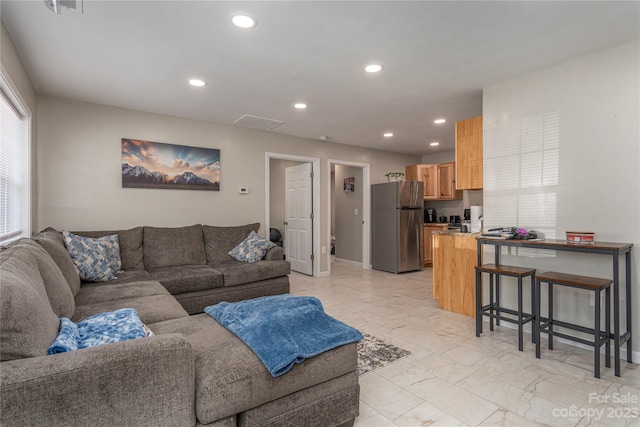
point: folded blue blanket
(283, 330)
(102, 328)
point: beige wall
(348, 224)
(13, 69)
(277, 192)
(80, 176)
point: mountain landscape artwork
(147, 164)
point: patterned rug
(373, 353)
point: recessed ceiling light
(197, 82)
(300, 106)
(439, 121)
(243, 21)
(388, 135)
(434, 144)
(373, 68)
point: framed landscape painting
(147, 164)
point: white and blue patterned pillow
(97, 260)
(252, 249)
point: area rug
(373, 353)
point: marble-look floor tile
(504, 418)
(387, 398)
(453, 377)
(427, 415)
(455, 401)
(444, 368)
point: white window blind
(14, 186)
(521, 174)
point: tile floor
(453, 378)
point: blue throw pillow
(96, 260)
(251, 249)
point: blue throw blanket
(102, 328)
(283, 330)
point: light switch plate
(243, 190)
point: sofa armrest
(274, 254)
(142, 382)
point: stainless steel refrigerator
(397, 226)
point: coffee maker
(430, 215)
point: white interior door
(298, 218)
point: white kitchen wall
(562, 152)
(79, 181)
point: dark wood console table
(605, 248)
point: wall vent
(258, 123)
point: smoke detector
(324, 138)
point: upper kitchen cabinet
(469, 154)
(428, 174)
(446, 182)
(437, 179)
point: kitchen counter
(456, 233)
(454, 279)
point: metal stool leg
(533, 303)
(479, 298)
(550, 327)
(596, 331)
(520, 313)
(607, 323)
(536, 320)
(491, 302)
(498, 296)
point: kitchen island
(454, 278)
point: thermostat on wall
(243, 190)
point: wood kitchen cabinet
(469, 158)
(437, 180)
(428, 174)
(446, 182)
(428, 243)
(454, 278)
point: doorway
(275, 214)
(353, 207)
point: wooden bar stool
(494, 310)
(546, 324)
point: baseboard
(348, 261)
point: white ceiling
(437, 58)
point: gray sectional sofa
(193, 372)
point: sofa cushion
(99, 293)
(238, 273)
(153, 308)
(56, 286)
(187, 278)
(28, 324)
(251, 249)
(124, 277)
(131, 250)
(53, 242)
(219, 241)
(166, 247)
(97, 260)
(231, 379)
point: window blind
(13, 171)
